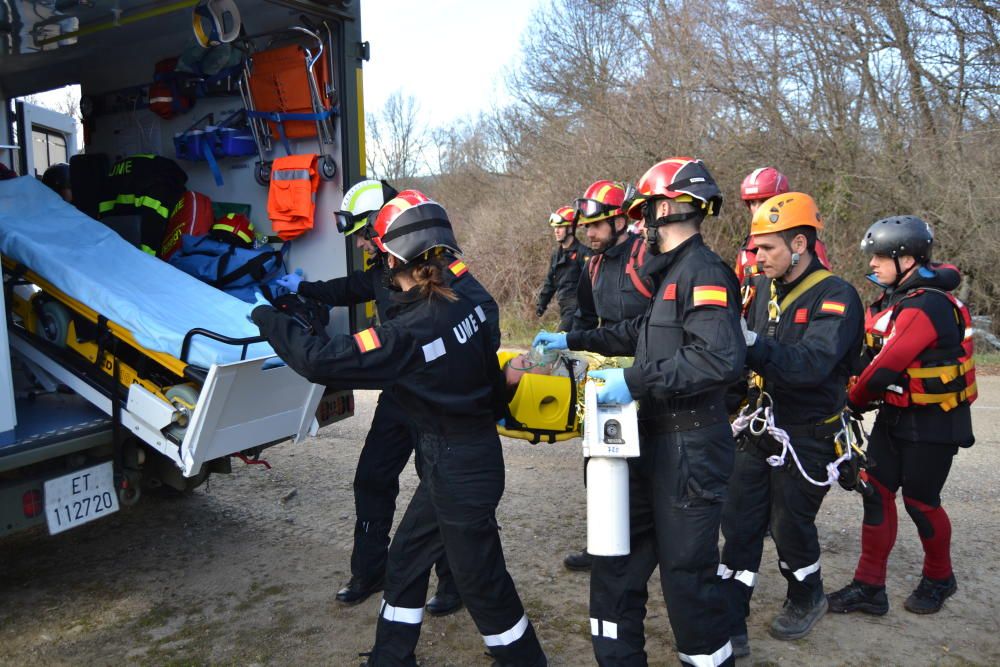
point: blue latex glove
(260, 301)
(291, 281)
(615, 390)
(550, 341)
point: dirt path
(243, 572)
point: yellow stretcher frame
(88, 350)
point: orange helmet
(601, 201)
(785, 211)
(564, 216)
(763, 183)
(411, 224)
(676, 178)
(234, 228)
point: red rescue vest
(942, 377)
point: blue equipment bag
(237, 271)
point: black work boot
(578, 561)
(858, 596)
(357, 591)
(797, 619)
(741, 645)
(930, 595)
(444, 603)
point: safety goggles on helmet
(565, 216)
(348, 223)
(591, 208)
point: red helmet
(601, 201)
(763, 183)
(564, 216)
(677, 178)
(411, 224)
(234, 228)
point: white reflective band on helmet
(801, 573)
(433, 350)
(746, 577)
(290, 174)
(708, 660)
(724, 571)
(510, 636)
(410, 615)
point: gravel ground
(243, 571)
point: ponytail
(429, 277)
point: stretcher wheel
(53, 323)
(262, 173)
(182, 396)
(327, 167)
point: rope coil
(761, 421)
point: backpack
(234, 270)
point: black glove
(539, 311)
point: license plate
(334, 407)
(80, 497)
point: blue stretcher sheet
(94, 265)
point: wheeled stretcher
(172, 359)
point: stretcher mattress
(94, 265)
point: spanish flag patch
(833, 307)
(458, 267)
(710, 295)
(367, 340)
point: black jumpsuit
(688, 348)
(438, 360)
(565, 268)
(389, 442)
(805, 364)
(606, 293)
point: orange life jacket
(291, 198)
(942, 377)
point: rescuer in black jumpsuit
(802, 352)
(565, 266)
(436, 355)
(688, 349)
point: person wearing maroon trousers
(922, 378)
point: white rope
(762, 419)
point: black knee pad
(924, 527)
(874, 504)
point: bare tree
(397, 140)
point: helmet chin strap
(652, 238)
(796, 258)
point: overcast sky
(449, 54)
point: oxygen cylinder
(607, 507)
(610, 438)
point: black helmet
(898, 236)
(57, 177)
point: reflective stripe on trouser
(676, 528)
(453, 511)
(794, 505)
(745, 517)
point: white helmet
(362, 200)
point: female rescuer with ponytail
(436, 356)
(921, 376)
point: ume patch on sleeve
(833, 307)
(367, 340)
(710, 295)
